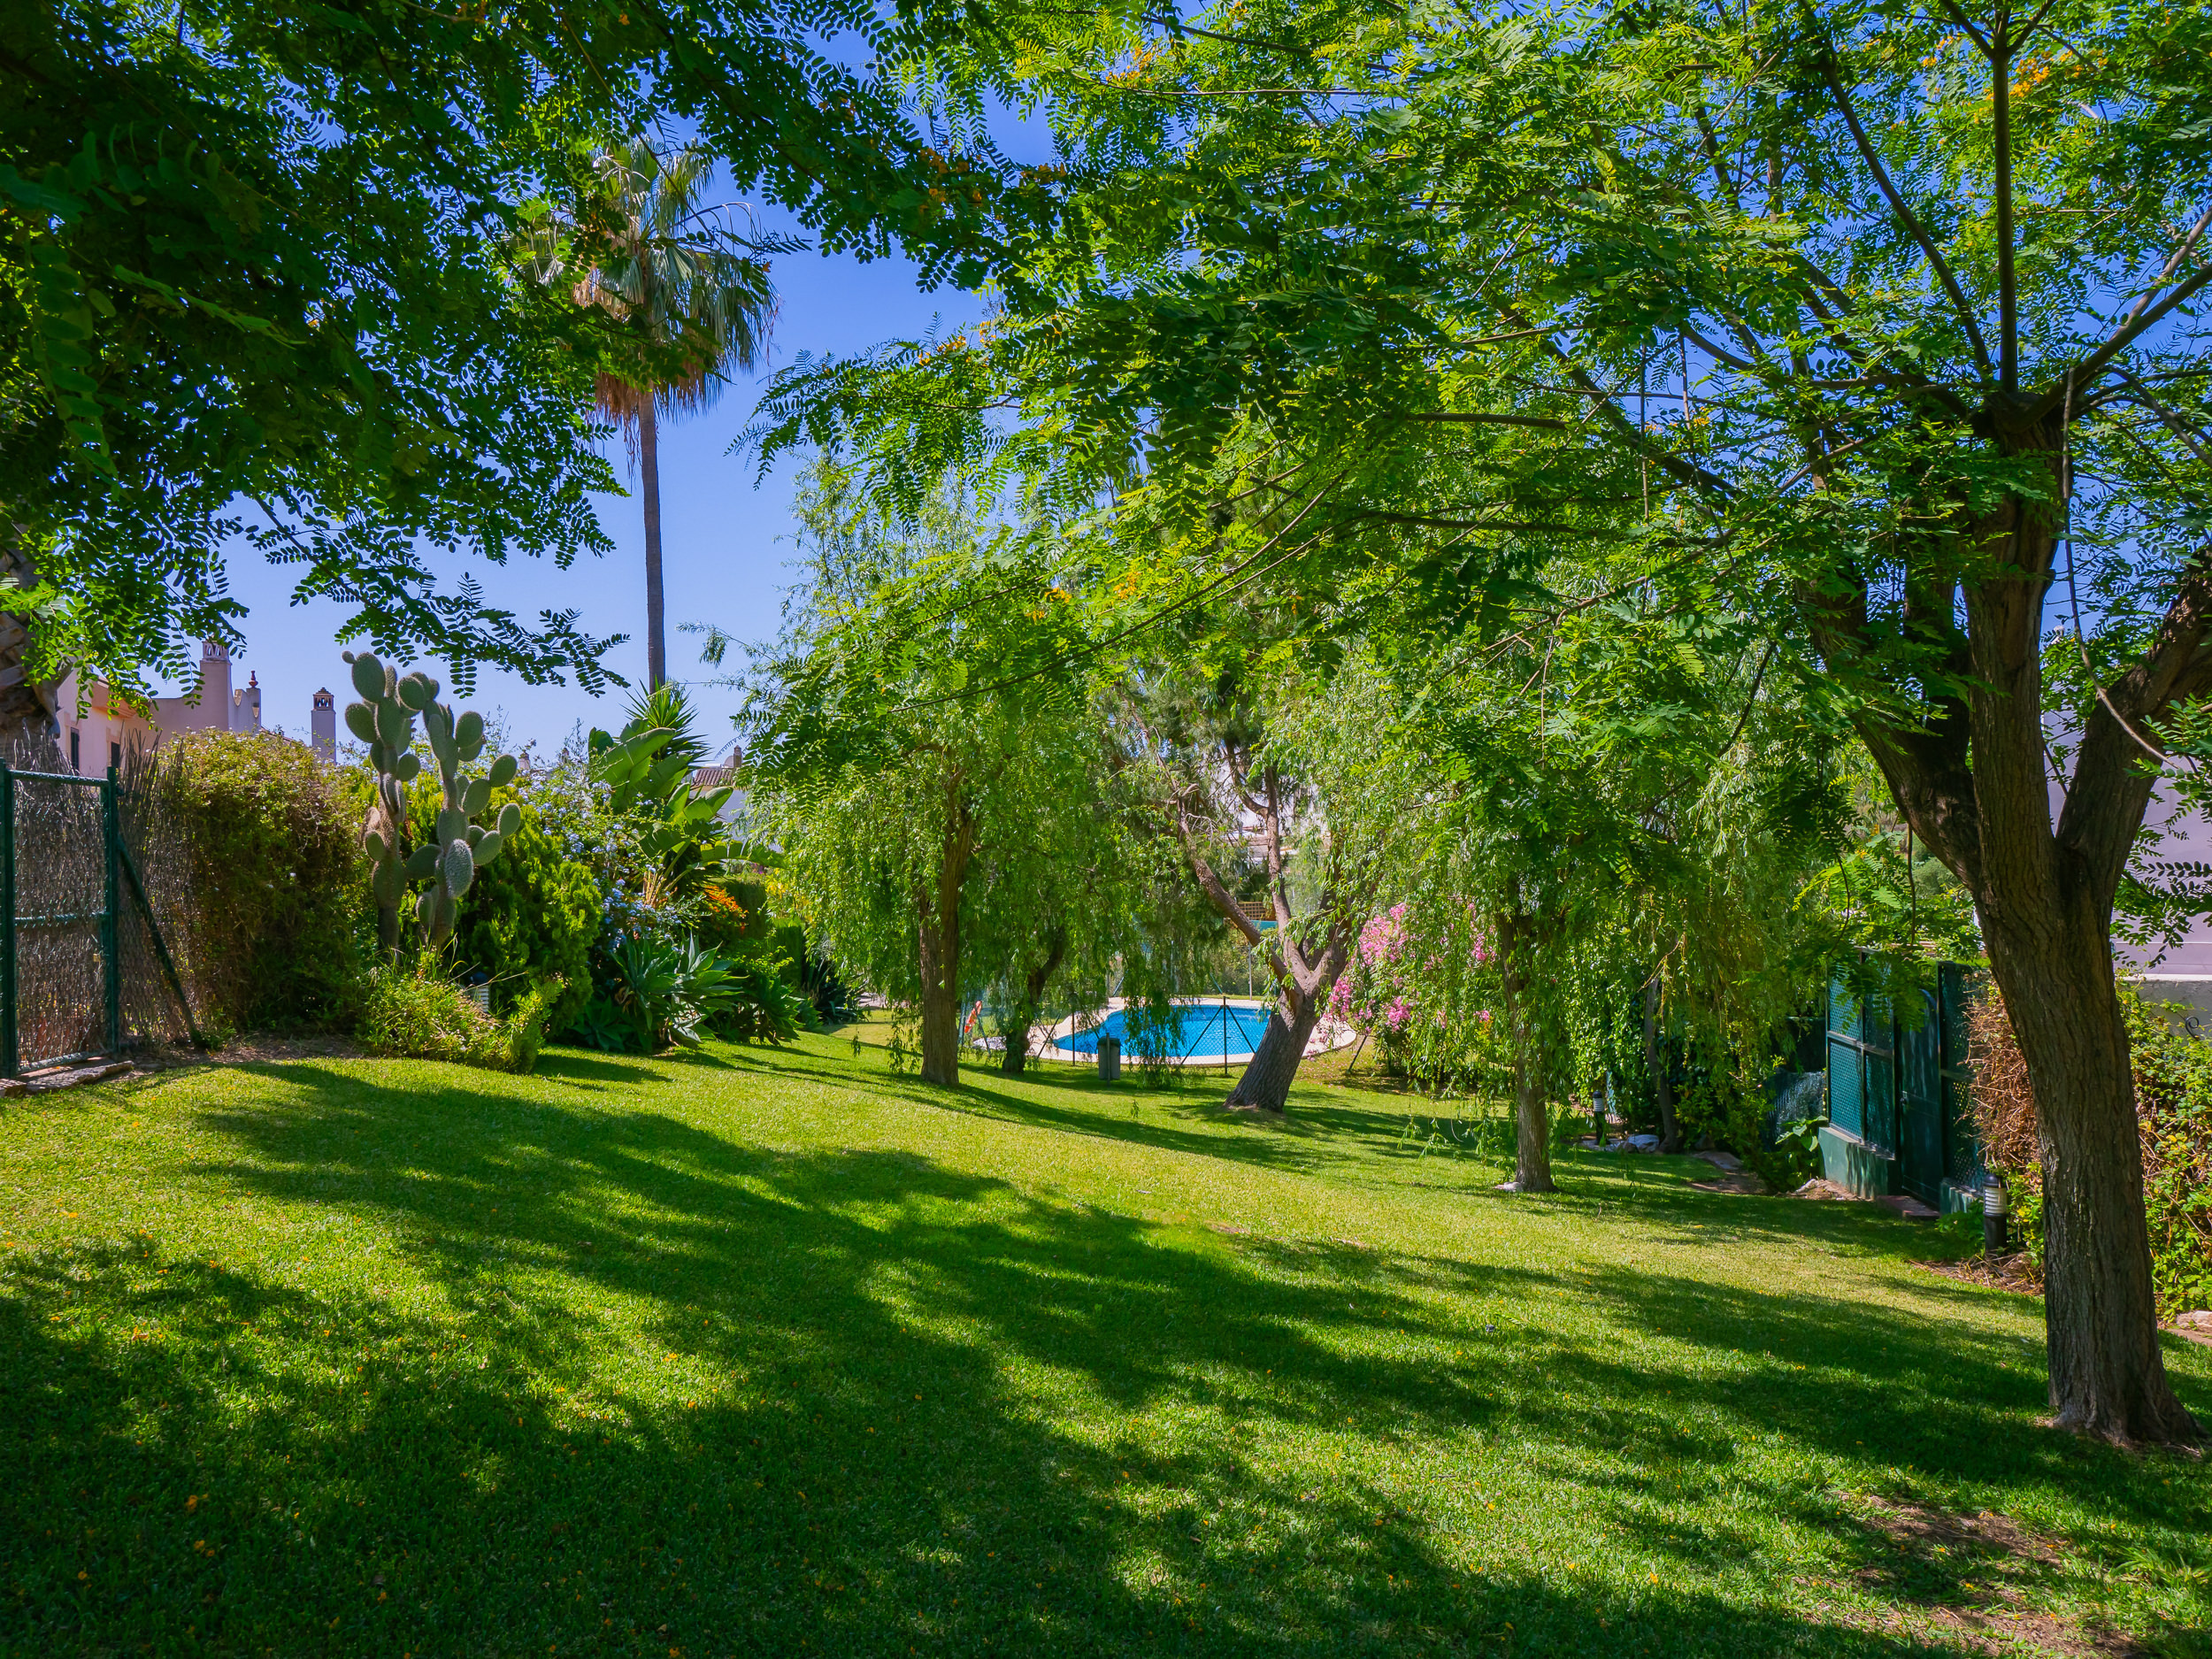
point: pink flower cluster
(1387, 985)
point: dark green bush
(279, 885)
(529, 917)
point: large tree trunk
(2107, 1376)
(648, 450)
(1532, 1153)
(1661, 1074)
(1971, 779)
(1025, 1016)
(1273, 1066)
(939, 948)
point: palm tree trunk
(649, 449)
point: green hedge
(279, 885)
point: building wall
(98, 737)
(93, 741)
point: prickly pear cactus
(464, 844)
(384, 720)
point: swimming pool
(1205, 1031)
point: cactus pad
(368, 676)
(457, 868)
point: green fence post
(111, 914)
(11, 1055)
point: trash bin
(1110, 1059)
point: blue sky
(725, 540)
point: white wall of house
(96, 726)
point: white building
(96, 738)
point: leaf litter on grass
(1973, 1582)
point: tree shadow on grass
(683, 1395)
(1174, 1121)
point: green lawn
(777, 1353)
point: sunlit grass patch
(778, 1352)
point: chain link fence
(89, 875)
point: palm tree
(692, 295)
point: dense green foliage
(419, 1014)
(280, 928)
(259, 273)
(531, 917)
(678, 953)
(771, 1352)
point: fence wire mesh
(60, 906)
(75, 904)
(154, 840)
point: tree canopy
(1880, 319)
(257, 281)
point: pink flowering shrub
(1399, 991)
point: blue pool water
(1205, 1029)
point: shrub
(528, 918)
(279, 880)
(733, 918)
(527, 1023)
(763, 1005)
(657, 990)
(2173, 1105)
(416, 1015)
(422, 1017)
(1422, 1000)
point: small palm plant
(690, 295)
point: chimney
(323, 725)
(246, 710)
(214, 709)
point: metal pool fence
(84, 967)
(1203, 1034)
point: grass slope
(778, 1353)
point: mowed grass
(777, 1352)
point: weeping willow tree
(942, 827)
(1627, 804)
